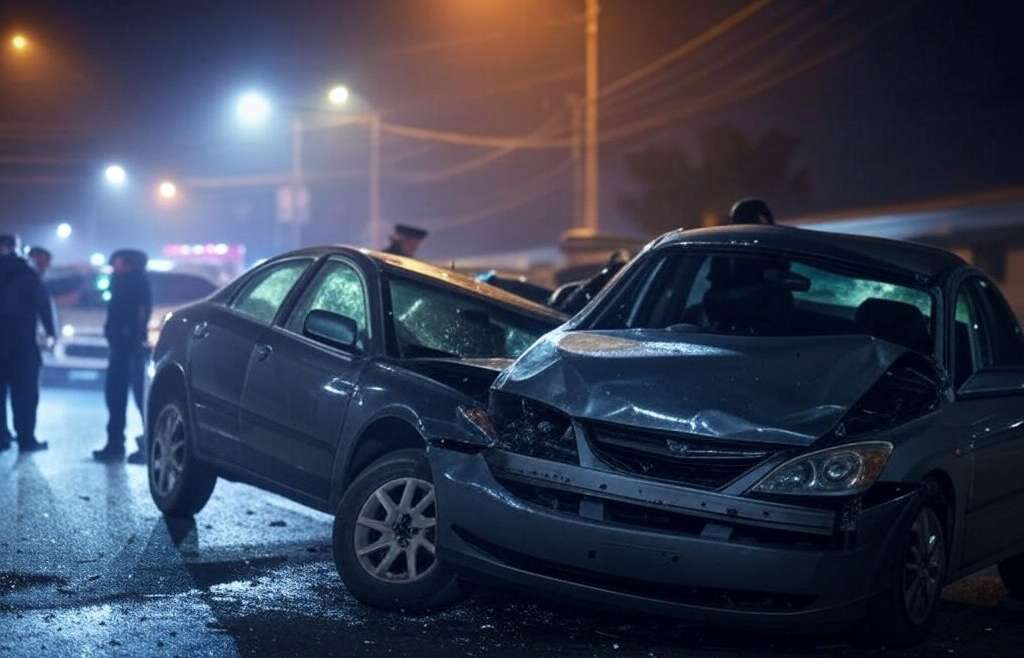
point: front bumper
(707, 556)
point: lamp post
(253, 109)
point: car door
(219, 351)
(988, 371)
(299, 388)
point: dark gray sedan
(321, 375)
(757, 425)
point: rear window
(768, 295)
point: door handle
(263, 351)
(201, 330)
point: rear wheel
(385, 536)
(905, 614)
(179, 484)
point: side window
(1006, 342)
(337, 288)
(265, 292)
(971, 342)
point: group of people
(28, 325)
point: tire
(179, 483)
(1012, 572)
(386, 516)
(904, 615)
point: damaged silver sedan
(755, 425)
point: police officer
(126, 328)
(405, 241)
(23, 302)
(751, 211)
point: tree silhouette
(676, 192)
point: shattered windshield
(432, 321)
(769, 295)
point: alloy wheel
(923, 566)
(167, 461)
(395, 534)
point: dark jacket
(24, 302)
(131, 304)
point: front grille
(87, 351)
(680, 458)
(709, 597)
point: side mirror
(331, 328)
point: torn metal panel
(774, 390)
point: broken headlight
(839, 471)
(530, 428)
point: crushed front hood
(778, 390)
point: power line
(536, 187)
(672, 87)
(685, 49)
(732, 94)
(473, 163)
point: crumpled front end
(615, 539)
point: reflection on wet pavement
(88, 567)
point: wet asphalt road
(89, 568)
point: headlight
(839, 471)
(530, 428)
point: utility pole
(576, 126)
(295, 228)
(590, 173)
(375, 237)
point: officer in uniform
(24, 302)
(126, 330)
(405, 241)
(751, 211)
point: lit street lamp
(64, 230)
(115, 175)
(167, 190)
(19, 42)
(252, 108)
(337, 95)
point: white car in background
(80, 294)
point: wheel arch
(169, 379)
(386, 433)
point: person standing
(41, 259)
(24, 302)
(405, 241)
(126, 330)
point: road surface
(89, 568)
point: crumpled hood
(779, 390)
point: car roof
(908, 257)
(450, 277)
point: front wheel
(179, 484)
(385, 537)
(904, 615)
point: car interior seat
(895, 321)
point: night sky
(922, 99)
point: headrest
(896, 322)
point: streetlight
(167, 190)
(337, 95)
(19, 42)
(115, 175)
(64, 230)
(252, 108)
